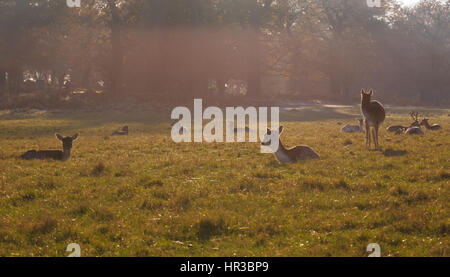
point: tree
(116, 45)
(429, 30)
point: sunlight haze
(409, 2)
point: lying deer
(53, 154)
(374, 116)
(122, 132)
(427, 125)
(396, 129)
(415, 117)
(354, 128)
(292, 155)
(182, 130)
(412, 129)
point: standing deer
(292, 155)
(374, 116)
(59, 155)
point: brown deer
(396, 129)
(414, 128)
(59, 155)
(374, 115)
(399, 129)
(354, 128)
(122, 132)
(434, 127)
(291, 155)
(415, 117)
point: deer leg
(376, 136)
(373, 136)
(367, 135)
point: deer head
(366, 97)
(67, 141)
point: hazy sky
(409, 2)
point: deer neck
(66, 154)
(365, 104)
(427, 125)
(282, 153)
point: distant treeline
(169, 51)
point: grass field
(144, 195)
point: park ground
(144, 195)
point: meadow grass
(144, 195)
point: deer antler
(415, 116)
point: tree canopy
(173, 50)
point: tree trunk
(85, 78)
(221, 87)
(254, 66)
(15, 47)
(117, 52)
(14, 79)
(2, 82)
(254, 49)
(157, 21)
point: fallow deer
(415, 117)
(354, 128)
(399, 129)
(291, 155)
(434, 127)
(59, 155)
(413, 130)
(121, 132)
(396, 129)
(374, 116)
(182, 130)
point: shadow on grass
(394, 153)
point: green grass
(144, 195)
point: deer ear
(280, 130)
(363, 92)
(371, 92)
(58, 136)
(75, 137)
